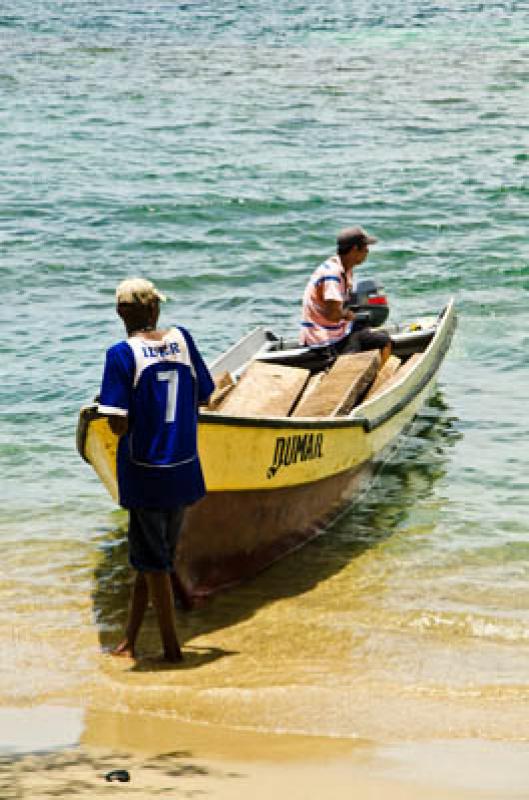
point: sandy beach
(80, 773)
(164, 758)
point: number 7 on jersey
(171, 377)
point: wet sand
(166, 758)
(80, 773)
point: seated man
(326, 321)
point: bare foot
(123, 650)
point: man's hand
(118, 425)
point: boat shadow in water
(406, 475)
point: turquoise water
(217, 149)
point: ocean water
(217, 148)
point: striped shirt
(328, 282)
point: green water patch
(449, 101)
(10, 20)
(94, 50)
(506, 189)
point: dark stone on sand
(120, 775)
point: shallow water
(218, 151)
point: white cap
(138, 291)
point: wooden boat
(275, 480)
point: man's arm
(335, 312)
(114, 398)
(205, 383)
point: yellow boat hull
(274, 483)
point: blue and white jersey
(157, 385)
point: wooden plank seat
(265, 390)
(386, 372)
(393, 375)
(402, 370)
(334, 393)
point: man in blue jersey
(152, 384)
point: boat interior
(289, 353)
(268, 375)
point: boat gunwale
(439, 345)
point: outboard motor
(368, 302)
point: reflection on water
(111, 587)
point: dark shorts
(363, 339)
(153, 535)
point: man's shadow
(405, 475)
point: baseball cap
(353, 237)
(138, 291)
